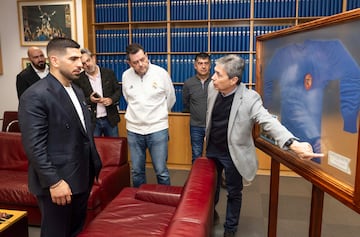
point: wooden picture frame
(1, 63)
(325, 53)
(41, 20)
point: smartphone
(96, 95)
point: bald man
(37, 70)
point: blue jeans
(157, 143)
(234, 187)
(197, 135)
(103, 127)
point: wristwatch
(289, 142)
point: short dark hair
(202, 55)
(59, 44)
(133, 49)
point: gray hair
(86, 51)
(233, 66)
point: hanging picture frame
(309, 78)
(40, 21)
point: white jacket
(149, 99)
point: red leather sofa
(159, 210)
(14, 194)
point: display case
(309, 78)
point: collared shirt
(95, 82)
(42, 74)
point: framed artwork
(1, 63)
(309, 78)
(25, 62)
(41, 20)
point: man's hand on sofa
(61, 193)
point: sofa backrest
(194, 214)
(12, 154)
(113, 151)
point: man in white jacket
(150, 95)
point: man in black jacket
(58, 141)
(102, 93)
(36, 70)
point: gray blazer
(246, 110)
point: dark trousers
(234, 187)
(62, 221)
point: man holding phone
(102, 93)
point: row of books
(111, 11)
(178, 106)
(156, 10)
(274, 8)
(352, 4)
(153, 40)
(309, 8)
(111, 40)
(261, 30)
(230, 38)
(189, 10)
(182, 39)
(148, 10)
(229, 9)
(182, 66)
(189, 39)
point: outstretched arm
(304, 150)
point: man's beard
(40, 66)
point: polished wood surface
(16, 225)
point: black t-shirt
(218, 144)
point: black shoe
(216, 218)
(229, 234)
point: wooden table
(15, 226)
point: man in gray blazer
(102, 94)
(56, 133)
(232, 112)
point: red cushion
(112, 150)
(160, 194)
(127, 216)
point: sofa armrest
(112, 150)
(194, 214)
(160, 194)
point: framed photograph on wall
(1, 65)
(40, 21)
(309, 79)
